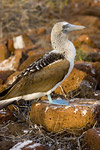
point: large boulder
(78, 115)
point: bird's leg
(49, 98)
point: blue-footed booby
(43, 76)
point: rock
(84, 39)
(41, 30)
(35, 49)
(91, 140)
(3, 87)
(11, 45)
(3, 52)
(12, 78)
(83, 53)
(92, 25)
(78, 83)
(7, 64)
(28, 145)
(30, 53)
(85, 67)
(20, 57)
(92, 69)
(78, 115)
(1, 81)
(94, 57)
(95, 3)
(6, 115)
(96, 67)
(5, 74)
(18, 42)
(87, 49)
(92, 22)
(22, 42)
(13, 62)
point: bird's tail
(5, 103)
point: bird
(44, 75)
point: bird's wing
(41, 76)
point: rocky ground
(25, 28)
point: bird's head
(60, 31)
(66, 27)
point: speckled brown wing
(42, 62)
(40, 81)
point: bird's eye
(65, 26)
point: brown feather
(40, 81)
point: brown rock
(96, 67)
(85, 67)
(95, 3)
(87, 49)
(27, 41)
(91, 23)
(12, 78)
(5, 74)
(84, 53)
(3, 87)
(11, 46)
(78, 83)
(3, 52)
(8, 64)
(92, 69)
(94, 57)
(84, 39)
(22, 42)
(20, 57)
(1, 81)
(73, 117)
(6, 115)
(28, 145)
(41, 30)
(91, 140)
(36, 48)
(31, 52)
(13, 62)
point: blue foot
(58, 102)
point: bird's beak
(75, 27)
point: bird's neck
(61, 44)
